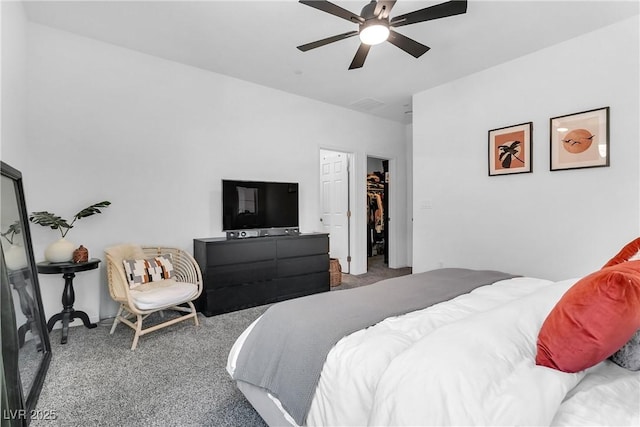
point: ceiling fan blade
(361, 55)
(410, 46)
(318, 43)
(383, 8)
(442, 10)
(333, 9)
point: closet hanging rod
(375, 190)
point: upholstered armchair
(148, 279)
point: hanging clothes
(375, 213)
(379, 225)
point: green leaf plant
(48, 219)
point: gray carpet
(176, 376)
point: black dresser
(248, 272)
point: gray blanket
(287, 348)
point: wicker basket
(335, 272)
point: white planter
(60, 251)
(15, 257)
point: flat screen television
(259, 204)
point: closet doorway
(377, 212)
(335, 175)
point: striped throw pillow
(141, 271)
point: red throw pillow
(592, 320)
(630, 250)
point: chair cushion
(162, 293)
(141, 271)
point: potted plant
(62, 250)
(14, 256)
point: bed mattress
(469, 360)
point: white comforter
(468, 361)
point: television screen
(259, 204)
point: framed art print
(510, 149)
(580, 140)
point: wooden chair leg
(116, 320)
(193, 310)
(138, 332)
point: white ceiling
(256, 41)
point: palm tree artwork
(510, 149)
(508, 152)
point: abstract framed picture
(580, 140)
(510, 149)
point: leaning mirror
(26, 351)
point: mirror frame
(29, 397)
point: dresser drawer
(289, 247)
(303, 265)
(291, 287)
(224, 300)
(236, 252)
(226, 275)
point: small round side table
(68, 270)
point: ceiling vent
(367, 104)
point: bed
(445, 347)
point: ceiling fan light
(374, 32)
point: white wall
(155, 138)
(547, 224)
(13, 109)
(13, 86)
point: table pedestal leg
(68, 313)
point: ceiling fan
(376, 27)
